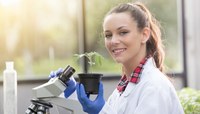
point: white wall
(192, 19)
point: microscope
(45, 93)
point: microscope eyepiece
(55, 86)
(66, 74)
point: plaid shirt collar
(135, 76)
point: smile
(118, 51)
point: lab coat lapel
(123, 100)
(130, 87)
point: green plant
(90, 80)
(94, 58)
(190, 100)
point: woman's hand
(91, 107)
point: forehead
(116, 20)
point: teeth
(118, 50)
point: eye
(123, 33)
(108, 35)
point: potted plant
(90, 80)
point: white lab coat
(154, 94)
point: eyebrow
(117, 28)
(120, 27)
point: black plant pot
(90, 82)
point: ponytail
(154, 44)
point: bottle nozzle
(9, 65)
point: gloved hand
(91, 107)
(71, 84)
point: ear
(145, 34)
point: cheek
(107, 44)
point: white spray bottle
(10, 89)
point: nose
(115, 40)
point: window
(40, 36)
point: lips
(118, 51)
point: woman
(133, 39)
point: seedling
(91, 80)
(94, 58)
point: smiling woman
(159, 8)
(122, 37)
(133, 39)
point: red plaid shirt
(135, 76)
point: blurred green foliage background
(42, 35)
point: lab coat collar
(131, 86)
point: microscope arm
(68, 104)
(54, 87)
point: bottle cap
(9, 65)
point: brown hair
(143, 18)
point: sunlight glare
(7, 3)
(72, 5)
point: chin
(118, 60)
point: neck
(131, 65)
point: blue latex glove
(71, 84)
(91, 107)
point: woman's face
(123, 40)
